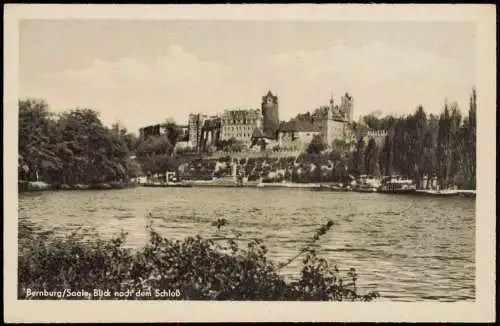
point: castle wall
(296, 138)
(378, 135)
(333, 129)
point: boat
(439, 193)
(216, 182)
(397, 184)
(332, 187)
(170, 180)
(367, 183)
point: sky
(141, 72)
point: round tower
(270, 114)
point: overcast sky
(142, 72)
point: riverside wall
(252, 154)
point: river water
(407, 248)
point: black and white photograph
(252, 159)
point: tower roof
(270, 94)
(300, 126)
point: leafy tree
(417, 142)
(236, 145)
(36, 152)
(174, 132)
(73, 147)
(357, 163)
(372, 122)
(316, 146)
(449, 124)
(385, 158)
(231, 145)
(467, 144)
(371, 155)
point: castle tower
(331, 109)
(346, 107)
(333, 125)
(334, 110)
(270, 114)
(326, 125)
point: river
(407, 248)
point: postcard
(181, 163)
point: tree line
(75, 147)
(72, 147)
(417, 145)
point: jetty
(288, 185)
(166, 185)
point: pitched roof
(257, 133)
(300, 126)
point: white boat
(367, 183)
(439, 193)
(397, 184)
(333, 187)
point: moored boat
(439, 193)
(367, 183)
(397, 184)
(332, 187)
(170, 180)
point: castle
(263, 126)
(240, 124)
(336, 124)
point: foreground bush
(195, 268)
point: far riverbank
(24, 186)
(33, 186)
